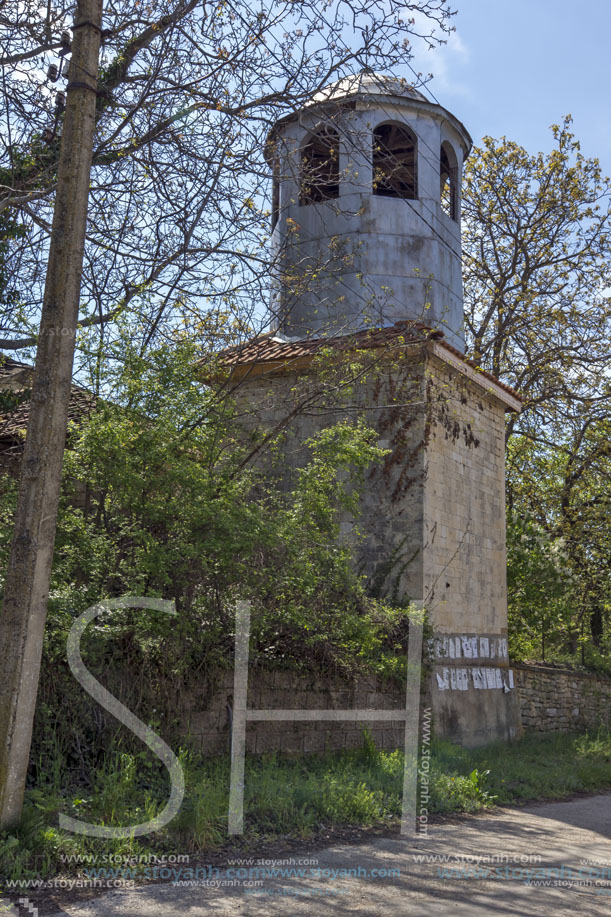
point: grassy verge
(551, 767)
(296, 797)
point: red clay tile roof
(268, 349)
(15, 378)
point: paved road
(552, 838)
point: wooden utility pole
(26, 589)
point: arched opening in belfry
(395, 161)
(448, 179)
(275, 193)
(319, 179)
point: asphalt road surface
(545, 859)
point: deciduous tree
(537, 273)
(180, 190)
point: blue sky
(516, 67)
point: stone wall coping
(553, 670)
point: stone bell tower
(367, 184)
(366, 244)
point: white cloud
(446, 62)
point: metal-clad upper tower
(366, 205)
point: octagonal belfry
(366, 211)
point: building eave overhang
(483, 380)
(266, 357)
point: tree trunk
(596, 626)
(26, 588)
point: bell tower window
(448, 179)
(319, 179)
(394, 162)
(275, 194)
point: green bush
(161, 499)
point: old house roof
(16, 380)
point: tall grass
(289, 796)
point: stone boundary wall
(206, 721)
(561, 700)
(549, 699)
